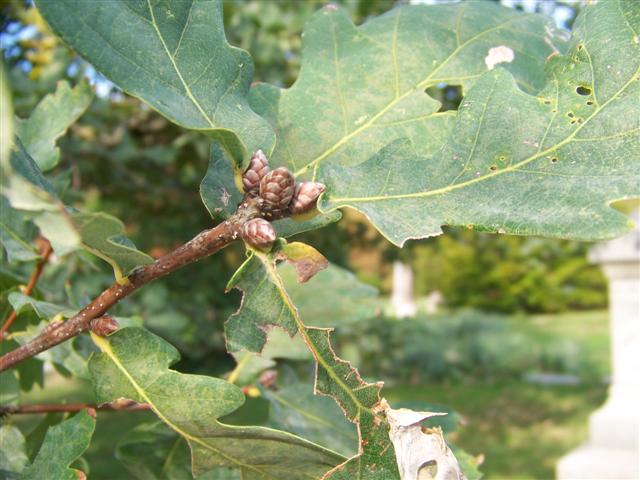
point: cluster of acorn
(278, 195)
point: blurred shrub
(465, 346)
(508, 273)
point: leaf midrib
(175, 66)
(302, 329)
(512, 168)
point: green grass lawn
(589, 329)
(520, 428)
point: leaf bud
(276, 190)
(305, 196)
(258, 168)
(259, 233)
(104, 325)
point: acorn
(305, 196)
(258, 168)
(276, 191)
(259, 233)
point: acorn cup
(276, 191)
(257, 169)
(305, 197)
(259, 233)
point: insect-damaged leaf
(172, 55)
(531, 165)
(362, 87)
(63, 444)
(266, 302)
(421, 452)
(263, 303)
(134, 364)
(358, 302)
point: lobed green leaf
(360, 88)
(50, 120)
(134, 364)
(266, 303)
(547, 165)
(63, 444)
(172, 55)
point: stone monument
(612, 449)
(402, 302)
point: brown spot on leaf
(306, 260)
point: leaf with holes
(172, 55)
(263, 303)
(361, 88)
(134, 364)
(50, 120)
(62, 445)
(547, 165)
(266, 303)
(358, 302)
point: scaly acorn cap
(305, 196)
(258, 168)
(259, 233)
(276, 190)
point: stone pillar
(612, 449)
(402, 302)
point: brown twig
(118, 405)
(201, 246)
(45, 252)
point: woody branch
(269, 195)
